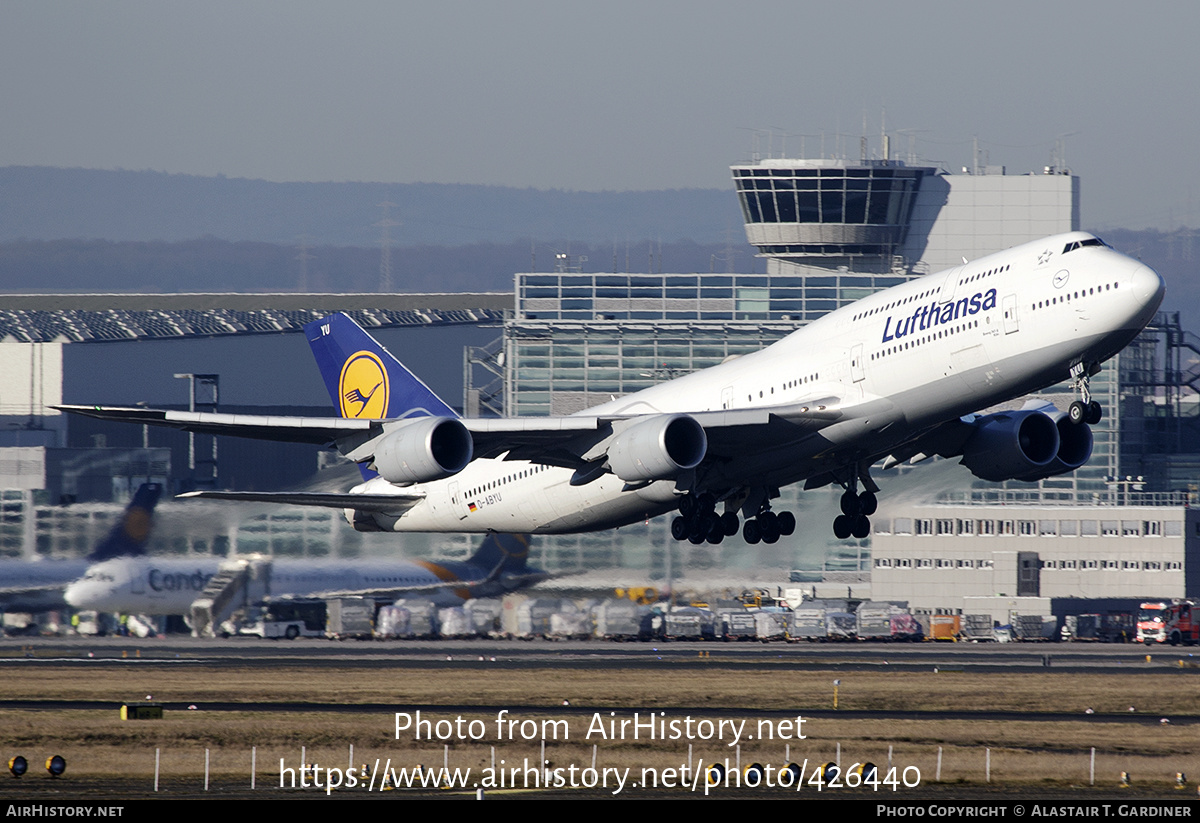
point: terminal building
(828, 232)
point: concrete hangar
(829, 231)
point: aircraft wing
(491, 436)
(522, 437)
(563, 441)
(33, 598)
(321, 431)
(395, 504)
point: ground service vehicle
(1150, 623)
(1180, 624)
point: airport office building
(828, 231)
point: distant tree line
(210, 264)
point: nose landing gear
(1084, 410)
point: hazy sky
(616, 94)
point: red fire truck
(1181, 624)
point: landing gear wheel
(867, 503)
(687, 505)
(842, 526)
(701, 527)
(730, 523)
(1077, 412)
(861, 526)
(787, 523)
(717, 534)
(679, 528)
(769, 526)
(751, 533)
(850, 504)
(1095, 412)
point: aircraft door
(456, 500)
(856, 363)
(1010, 314)
(949, 285)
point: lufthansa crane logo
(363, 386)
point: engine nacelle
(1074, 447)
(1011, 445)
(658, 449)
(424, 449)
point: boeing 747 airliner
(897, 376)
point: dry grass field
(1026, 755)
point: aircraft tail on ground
(502, 553)
(131, 533)
(502, 558)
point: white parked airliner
(896, 376)
(155, 585)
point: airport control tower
(849, 223)
(829, 213)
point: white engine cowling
(657, 449)
(1011, 445)
(424, 449)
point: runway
(915, 700)
(453, 654)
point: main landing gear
(699, 522)
(1084, 410)
(855, 519)
(768, 527)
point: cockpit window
(1091, 241)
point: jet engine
(658, 448)
(423, 449)
(1074, 447)
(1011, 446)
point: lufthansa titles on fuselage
(931, 315)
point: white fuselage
(150, 585)
(926, 351)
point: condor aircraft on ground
(39, 585)
(897, 376)
(157, 586)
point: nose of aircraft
(1147, 286)
(76, 594)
